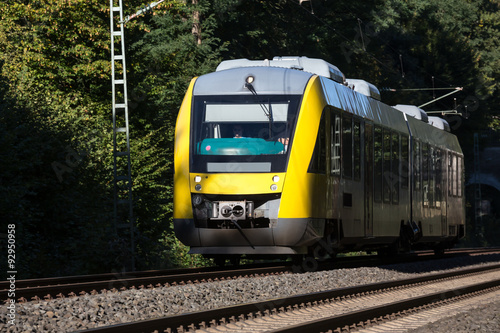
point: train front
(234, 135)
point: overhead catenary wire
(419, 89)
(361, 34)
(349, 41)
(401, 62)
(382, 63)
(385, 43)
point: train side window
(347, 146)
(432, 175)
(377, 163)
(444, 177)
(335, 132)
(417, 166)
(459, 176)
(425, 173)
(455, 160)
(395, 180)
(454, 175)
(404, 170)
(439, 178)
(318, 160)
(387, 175)
(356, 128)
(450, 174)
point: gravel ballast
(77, 313)
(484, 318)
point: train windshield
(242, 133)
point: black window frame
(347, 148)
(279, 162)
(378, 170)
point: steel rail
(28, 289)
(30, 283)
(341, 262)
(190, 320)
(352, 318)
(81, 284)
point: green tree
(55, 138)
(485, 39)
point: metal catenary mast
(123, 215)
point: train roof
(310, 65)
(344, 98)
(435, 136)
(266, 80)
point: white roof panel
(310, 65)
(413, 111)
(439, 123)
(364, 87)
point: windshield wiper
(267, 112)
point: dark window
(450, 174)
(417, 166)
(459, 176)
(335, 132)
(425, 173)
(454, 176)
(347, 146)
(387, 176)
(432, 175)
(404, 170)
(357, 149)
(377, 160)
(394, 179)
(439, 178)
(318, 160)
(347, 199)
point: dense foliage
(55, 100)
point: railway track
(27, 290)
(60, 287)
(333, 310)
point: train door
(368, 179)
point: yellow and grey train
(276, 157)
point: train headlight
(197, 179)
(274, 187)
(249, 79)
(276, 179)
(197, 187)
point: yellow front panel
(237, 183)
(182, 197)
(304, 193)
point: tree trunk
(196, 31)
